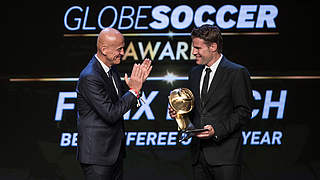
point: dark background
(34, 47)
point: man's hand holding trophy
(181, 103)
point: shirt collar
(215, 65)
(105, 67)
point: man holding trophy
(214, 110)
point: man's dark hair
(210, 34)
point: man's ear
(213, 47)
(104, 50)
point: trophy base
(195, 130)
(188, 133)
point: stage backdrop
(273, 40)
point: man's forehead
(114, 37)
(198, 41)
(117, 43)
(113, 40)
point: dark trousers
(99, 172)
(203, 171)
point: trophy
(182, 101)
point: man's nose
(122, 52)
(194, 51)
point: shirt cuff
(133, 92)
(215, 137)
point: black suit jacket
(100, 115)
(227, 108)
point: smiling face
(204, 54)
(110, 46)
(114, 51)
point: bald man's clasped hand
(139, 74)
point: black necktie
(110, 74)
(111, 78)
(204, 90)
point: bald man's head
(110, 46)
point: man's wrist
(214, 135)
(135, 92)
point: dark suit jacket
(100, 115)
(227, 108)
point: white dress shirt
(213, 71)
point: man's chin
(198, 61)
(117, 61)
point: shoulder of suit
(196, 68)
(232, 66)
(90, 70)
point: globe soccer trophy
(182, 101)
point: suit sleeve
(94, 92)
(242, 100)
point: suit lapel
(105, 78)
(218, 76)
(117, 80)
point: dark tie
(204, 90)
(110, 74)
(111, 78)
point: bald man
(101, 103)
